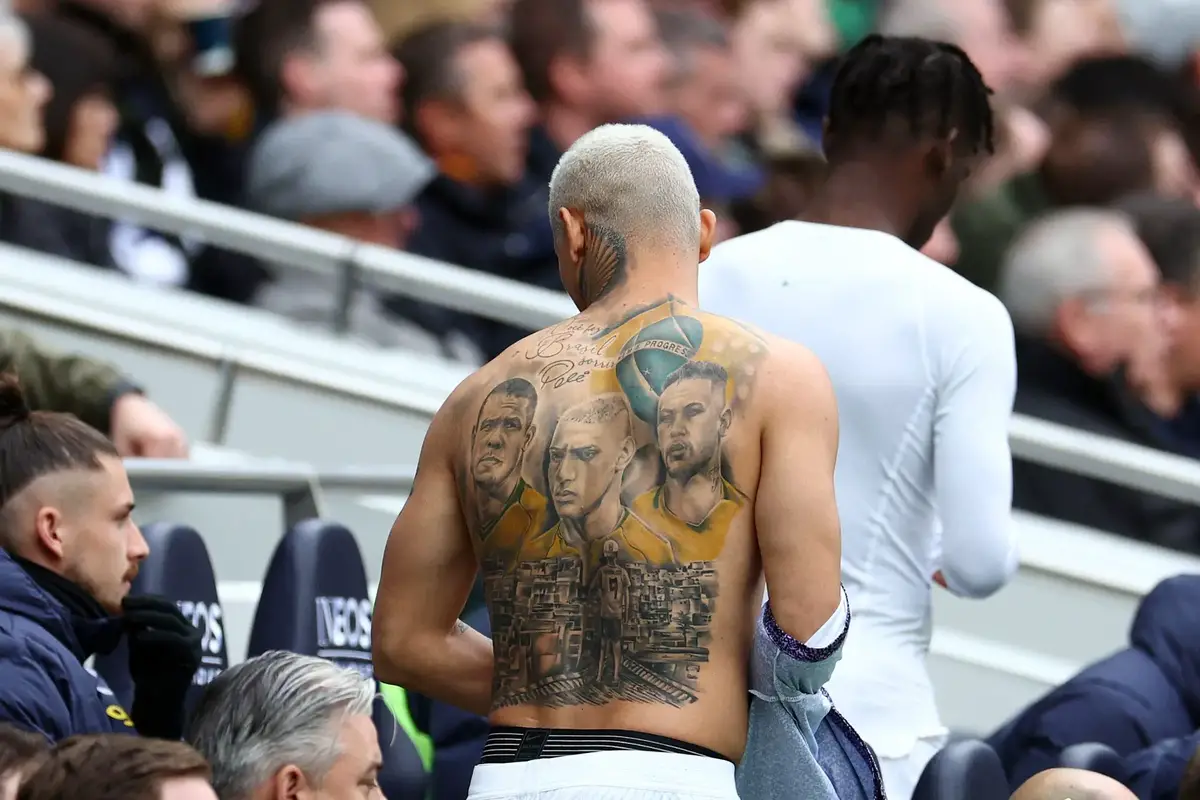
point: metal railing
(286, 245)
(347, 261)
(300, 487)
(1110, 460)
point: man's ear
(574, 234)
(708, 232)
(290, 784)
(47, 526)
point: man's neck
(564, 125)
(851, 198)
(693, 497)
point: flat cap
(334, 162)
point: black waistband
(506, 745)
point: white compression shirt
(923, 367)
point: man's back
(625, 479)
(625, 446)
(921, 361)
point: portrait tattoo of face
(693, 418)
(592, 445)
(502, 432)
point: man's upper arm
(972, 461)
(428, 565)
(795, 513)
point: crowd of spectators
(432, 126)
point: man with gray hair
(595, 589)
(281, 726)
(1084, 297)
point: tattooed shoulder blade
(601, 501)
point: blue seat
(964, 770)
(315, 602)
(1095, 757)
(178, 568)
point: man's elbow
(394, 654)
(977, 576)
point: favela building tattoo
(602, 504)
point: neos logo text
(207, 618)
(343, 622)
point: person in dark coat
(1130, 701)
(1164, 771)
(68, 554)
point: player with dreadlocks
(922, 364)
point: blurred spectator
(775, 45)
(69, 554)
(119, 768)
(280, 726)
(465, 104)
(1170, 229)
(149, 146)
(585, 62)
(352, 176)
(702, 87)
(1113, 133)
(79, 123)
(1056, 33)
(1084, 298)
(982, 28)
(23, 91)
(20, 753)
(1131, 700)
(319, 55)
(95, 392)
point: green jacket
(987, 226)
(53, 381)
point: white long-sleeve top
(924, 370)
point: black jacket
(1053, 387)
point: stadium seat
(179, 569)
(963, 770)
(1095, 757)
(315, 601)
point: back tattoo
(597, 486)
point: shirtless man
(670, 719)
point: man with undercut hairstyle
(69, 551)
(682, 454)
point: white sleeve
(972, 461)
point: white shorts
(610, 775)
